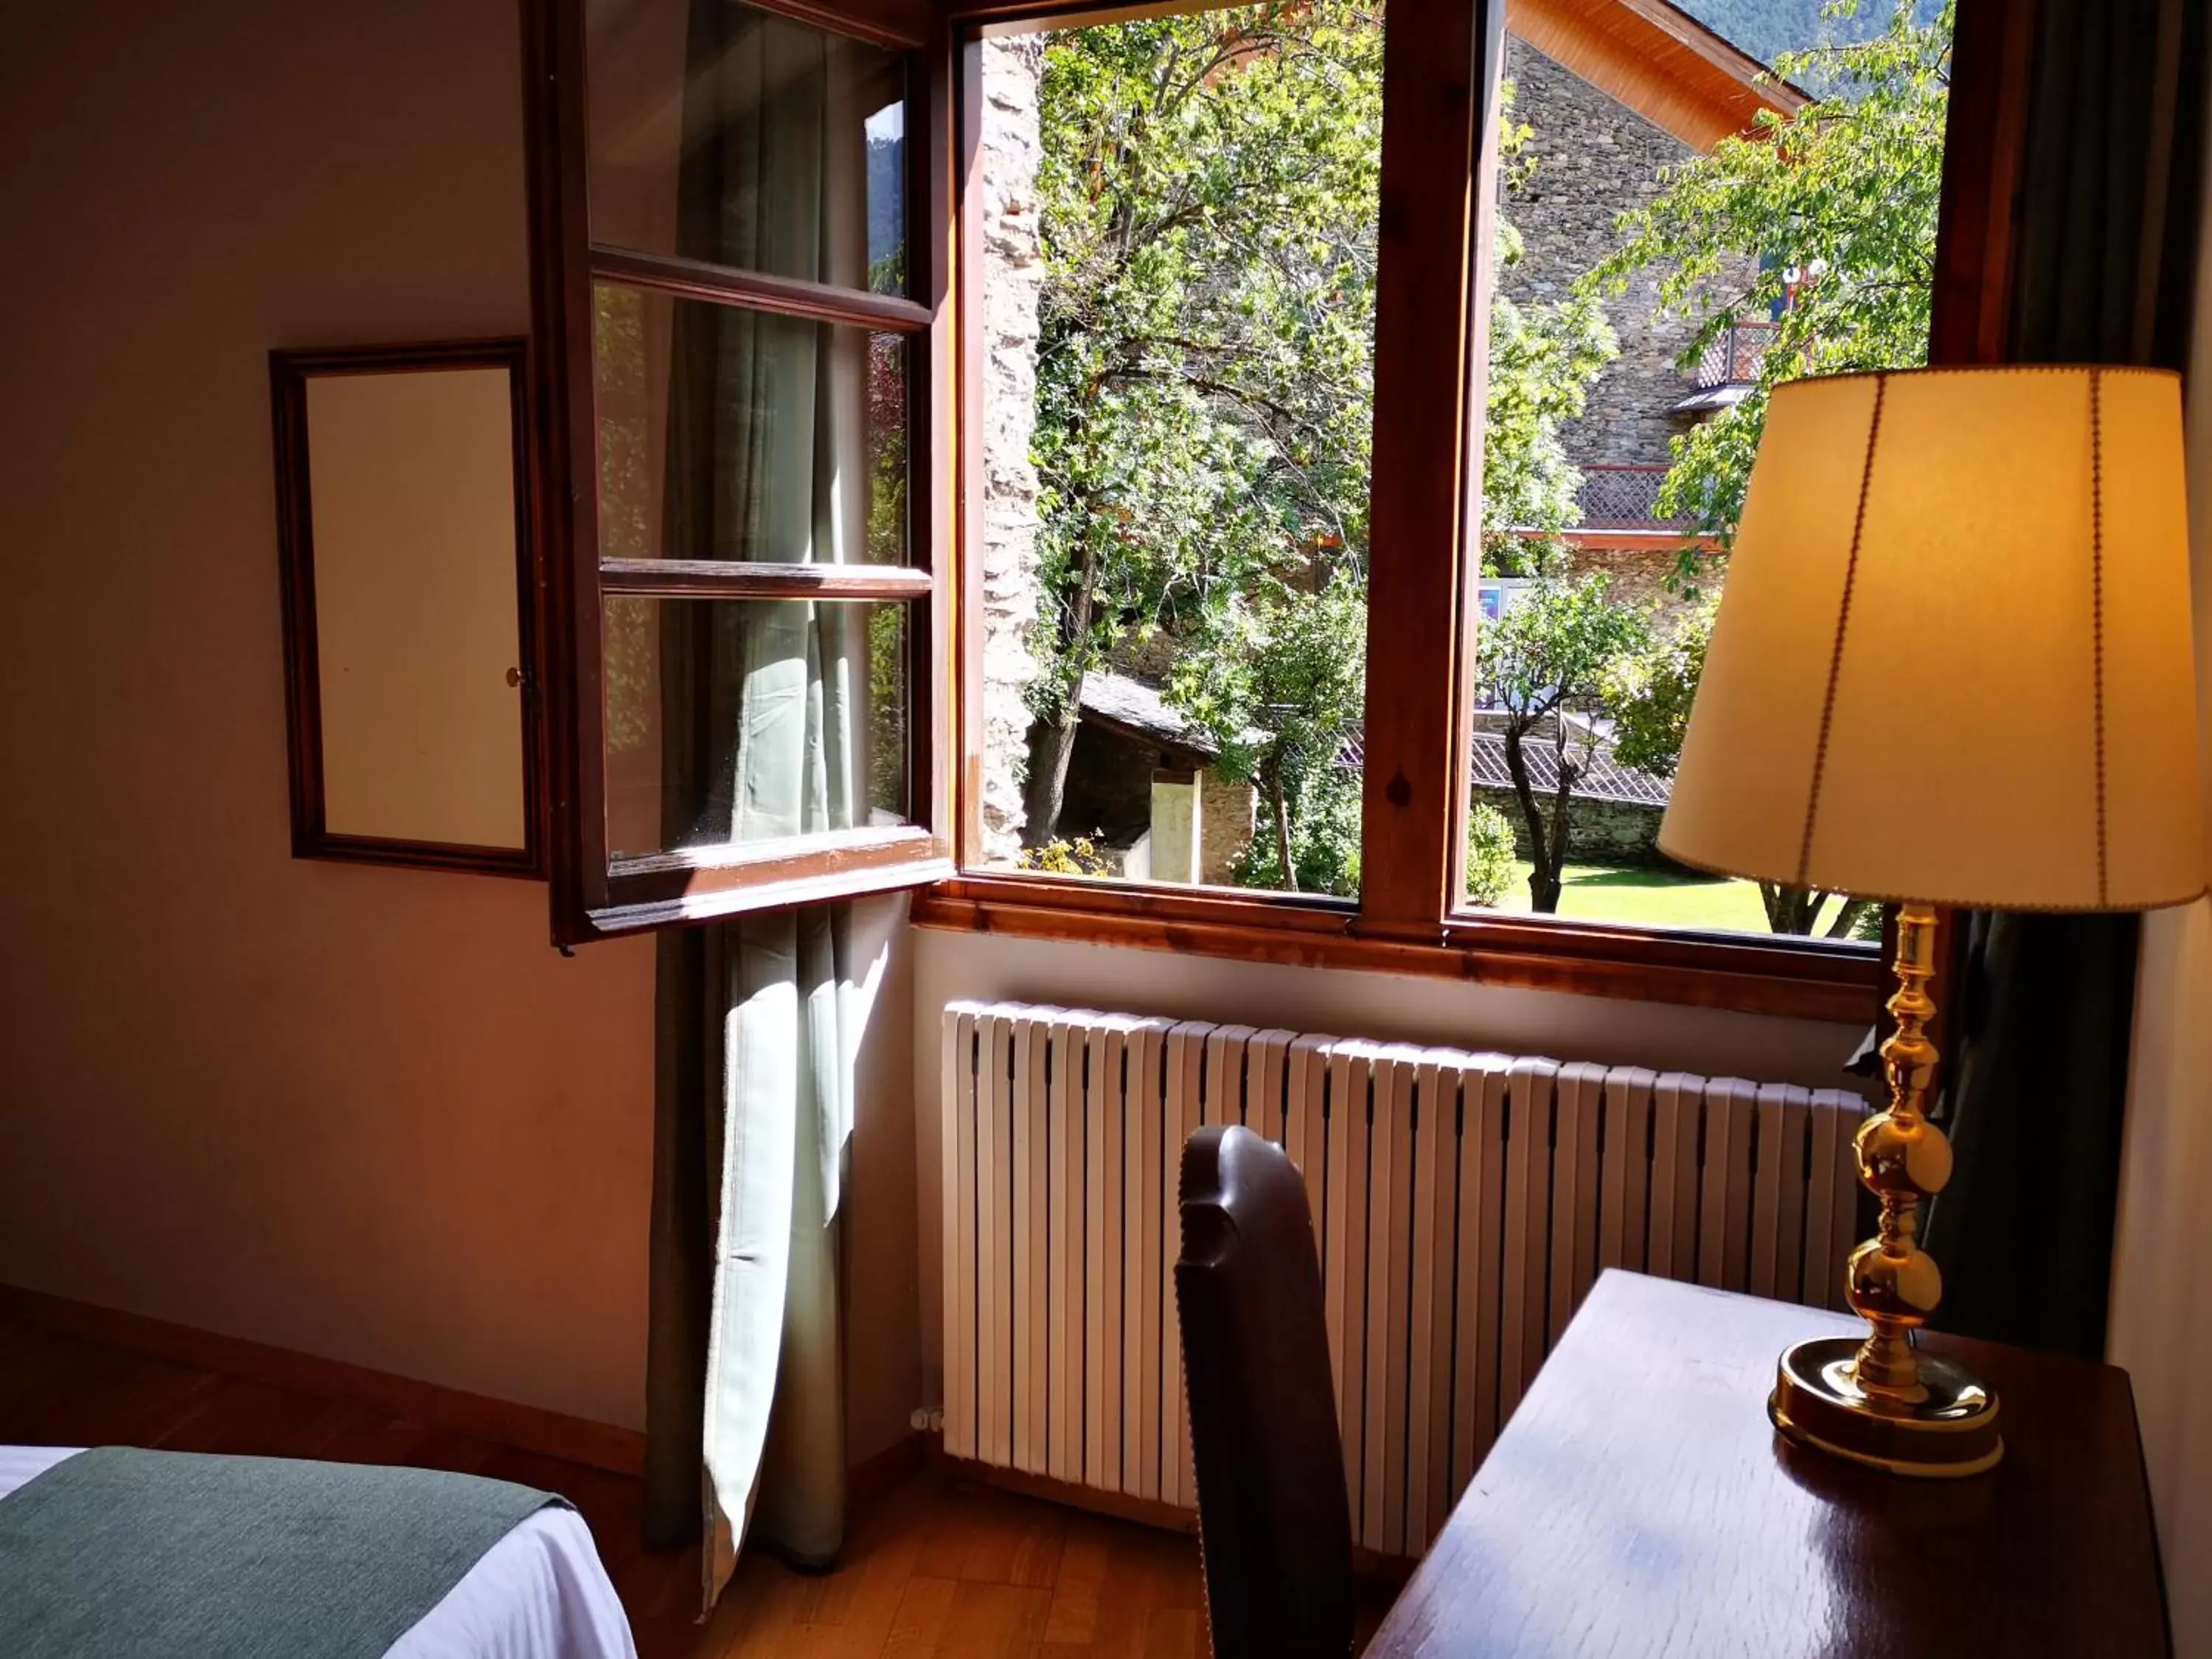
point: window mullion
(1440, 71)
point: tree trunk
(1282, 815)
(1556, 856)
(1544, 874)
(1797, 910)
(1847, 915)
(1051, 743)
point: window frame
(593, 897)
(1443, 61)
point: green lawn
(1658, 898)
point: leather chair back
(1274, 1520)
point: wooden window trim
(1797, 979)
(593, 897)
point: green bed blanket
(119, 1554)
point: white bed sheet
(539, 1593)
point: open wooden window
(768, 299)
(739, 604)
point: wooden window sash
(714, 579)
(758, 291)
(592, 896)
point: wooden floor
(935, 1567)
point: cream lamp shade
(1953, 662)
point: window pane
(1651, 287)
(736, 434)
(726, 134)
(738, 721)
(1176, 294)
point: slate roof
(1123, 700)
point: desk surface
(1640, 1503)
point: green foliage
(1078, 857)
(1557, 648)
(1490, 858)
(1279, 675)
(1844, 193)
(1649, 693)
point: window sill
(1795, 979)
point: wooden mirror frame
(290, 373)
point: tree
(1648, 693)
(1547, 662)
(1825, 220)
(1205, 382)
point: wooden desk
(1639, 1503)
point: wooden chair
(1274, 1522)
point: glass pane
(1176, 287)
(1626, 400)
(736, 434)
(726, 134)
(734, 720)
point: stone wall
(1641, 575)
(1598, 831)
(1595, 158)
(1229, 814)
(1013, 274)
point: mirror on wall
(404, 531)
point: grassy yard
(1657, 897)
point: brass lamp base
(1878, 1401)
(1817, 1402)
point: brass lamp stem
(1903, 1159)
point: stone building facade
(1595, 159)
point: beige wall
(367, 1113)
(2162, 1318)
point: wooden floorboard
(936, 1568)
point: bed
(540, 1592)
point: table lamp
(1952, 665)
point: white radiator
(1464, 1202)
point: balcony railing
(1733, 358)
(1623, 495)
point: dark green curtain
(2106, 240)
